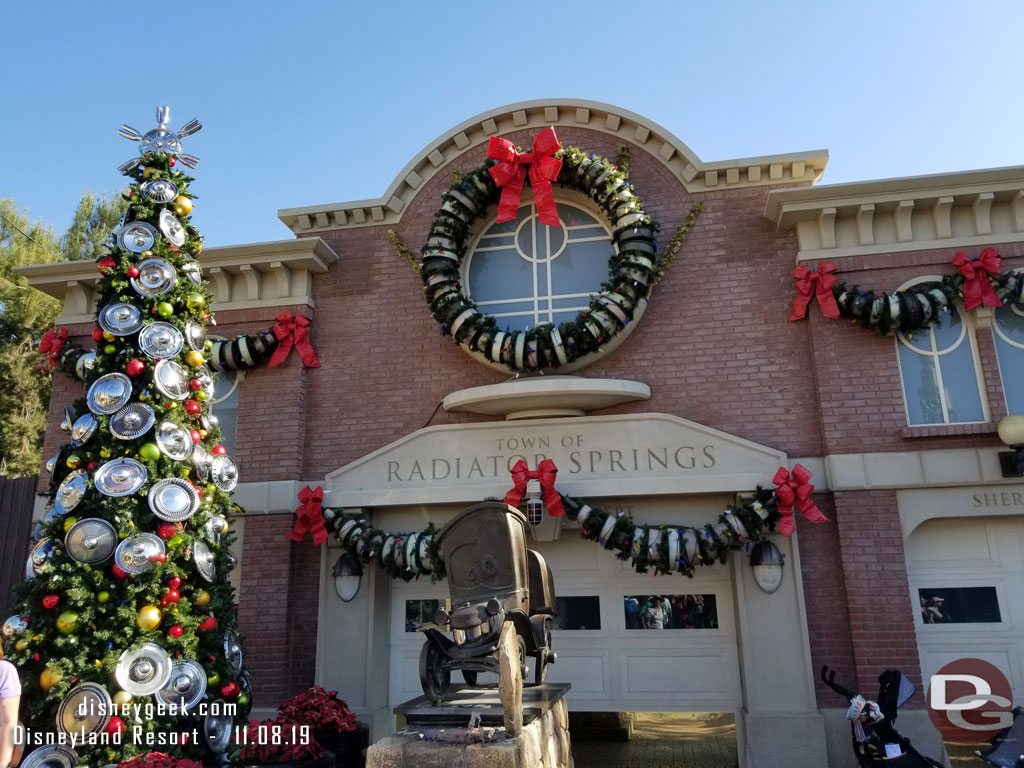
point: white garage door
(611, 660)
(967, 581)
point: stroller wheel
(433, 677)
(469, 675)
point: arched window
(224, 403)
(1008, 330)
(525, 273)
(939, 369)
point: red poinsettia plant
(158, 760)
(278, 741)
(320, 709)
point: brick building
(905, 463)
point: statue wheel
(433, 677)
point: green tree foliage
(25, 314)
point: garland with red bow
(979, 282)
(632, 270)
(309, 517)
(50, 346)
(664, 548)
(545, 473)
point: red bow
(805, 289)
(50, 345)
(545, 472)
(795, 488)
(978, 289)
(309, 517)
(293, 330)
(510, 172)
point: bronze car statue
(493, 579)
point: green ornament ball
(103, 596)
(195, 301)
(67, 622)
(177, 541)
(149, 452)
(200, 395)
(110, 349)
(165, 309)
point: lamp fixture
(534, 503)
(348, 575)
(1011, 432)
(767, 562)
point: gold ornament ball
(197, 247)
(67, 622)
(148, 618)
(195, 301)
(203, 597)
(21, 645)
(69, 522)
(202, 434)
(193, 358)
(72, 461)
(108, 336)
(148, 172)
(122, 698)
(49, 678)
(146, 255)
(182, 205)
(104, 453)
(103, 596)
(213, 678)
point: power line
(29, 238)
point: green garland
(632, 268)
(665, 548)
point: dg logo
(970, 701)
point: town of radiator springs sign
(603, 455)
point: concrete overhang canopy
(967, 208)
(597, 456)
(247, 276)
(695, 174)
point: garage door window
(939, 368)
(578, 612)
(959, 605)
(670, 612)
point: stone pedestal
(441, 735)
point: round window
(525, 273)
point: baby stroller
(1006, 749)
(875, 739)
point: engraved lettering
(663, 460)
(689, 463)
(433, 469)
(393, 471)
(417, 470)
(709, 457)
(615, 459)
(576, 468)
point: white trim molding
(251, 276)
(965, 209)
(695, 174)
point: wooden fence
(17, 497)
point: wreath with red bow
(500, 181)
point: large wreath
(631, 268)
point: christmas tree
(125, 635)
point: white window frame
(968, 331)
(536, 313)
(997, 335)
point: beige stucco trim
(915, 469)
(695, 174)
(966, 209)
(274, 274)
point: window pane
(419, 612)
(959, 605)
(670, 612)
(499, 275)
(960, 379)
(1009, 330)
(581, 267)
(226, 410)
(582, 612)
(948, 332)
(920, 387)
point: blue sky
(318, 102)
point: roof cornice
(251, 276)
(695, 174)
(963, 209)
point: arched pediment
(695, 174)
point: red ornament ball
(107, 262)
(159, 557)
(219, 450)
(209, 624)
(91, 465)
(173, 596)
(194, 434)
(230, 691)
(35, 657)
(118, 572)
(50, 602)
(196, 384)
(166, 531)
(97, 334)
(192, 407)
(115, 725)
(175, 631)
(132, 271)
(172, 162)
(174, 582)
(135, 367)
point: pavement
(665, 740)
